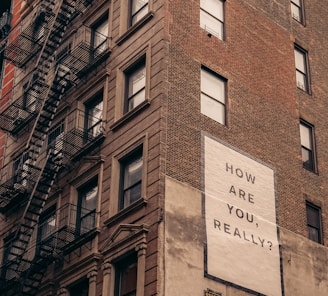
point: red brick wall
(263, 103)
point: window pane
(136, 100)
(139, 9)
(133, 172)
(301, 80)
(212, 86)
(313, 234)
(306, 136)
(212, 109)
(129, 280)
(296, 12)
(132, 179)
(89, 198)
(100, 33)
(211, 25)
(300, 61)
(137, 80)
(213, 7)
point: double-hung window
(212, 17)
(135, 85)
(46, 229)
(126, 276)
(55, 138)
(213, 93)
(86, 207)
(297, 10)
(313, 215)
(302, 69)
(131, 178)
(138, 9)
(307, 143)
(79, 288)
(99, 35)
(93, 117)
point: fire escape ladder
(32, 212)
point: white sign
(240, 214)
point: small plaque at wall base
(210, 292)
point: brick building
(163, 147)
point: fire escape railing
(36, 142)
(18, 177)
(25, 108)
(71, 226)
(83, 131)
(85, 50)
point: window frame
(136, 154)
(310, 224)
(90, 105)
(104, 20)
(203, 95)
(221, 22)
(304, 73)
(45, 216)
(132, 14)
(74, 289)
(121, 265)
(300, 7)
(311, 150)
(128, 73)
(57, 140)
(81, 194)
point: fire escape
(30, 178)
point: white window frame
(302, 69)
(212, 17)
(308, 145)
(297, 10)
(213, 96)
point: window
(86, 207)
(126, 276)
(135, 81)
(212, 17)
(93, 116)
(55, 137)
(213, 92)
(80, 288)
(131, 178)
(313, 215)
(307, 143)
(302, 72)
(297, 10)
(21, 167)
(138, 9)
(100, 34)
(46, 229)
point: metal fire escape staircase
(18, 266)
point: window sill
(126, 117)
(126, 212)
(130, 31)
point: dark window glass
(93, 116)
(307, 143)
(80, 288)
(302, 72)
(135, 79)
(313, 214)
(138, 9)
(87, 205)
(126, 276)
(131, 178)
(297, 10)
